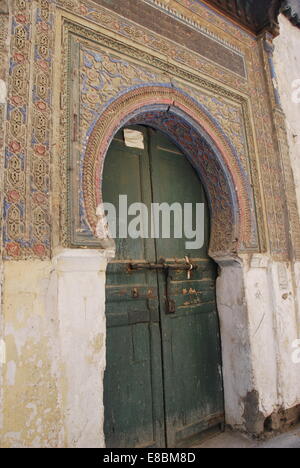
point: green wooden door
(163, 382)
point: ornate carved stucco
(4, 27)
(28, 140)
(111, 87)
(227, 196)
(239, 106)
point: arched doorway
(232, 209)
(163, 381)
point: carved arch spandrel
(231, 229)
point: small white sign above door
(134, 139)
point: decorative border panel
(4, 34)
(99, 71)
(28, 145)
(239, 106)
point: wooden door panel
(132, 417)
(134, 413)
(127, 173)
(163, 384)
(133, 387)
(192, 374)
(191, 341)
(175, 181)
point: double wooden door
(163, 381)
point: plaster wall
(273, 326)
(259, 320)
(287, 65)
(53, 324)
(54, 330)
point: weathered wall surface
(54, 315)
(287, 64)
(259, 319)
(53, 304)
(273, 326)
(32, 401)
(287, 68)
(54, 330)
(80, 277)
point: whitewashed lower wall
(259, 319)
(287, 66)
(54, 330)
(274, 326)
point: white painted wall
(259, 319)
(236, 352)
(54, 330)
(273, 326)
(287, 65)
(80, 283)
(54, 325)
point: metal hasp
(165, 267)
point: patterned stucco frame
(248, 233)
(37, 200)
(231, 225)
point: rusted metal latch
(167, 267)
(191, 267)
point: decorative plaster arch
(227, 185)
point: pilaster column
(80, 276)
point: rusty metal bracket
(163, 266)
(166, 268)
